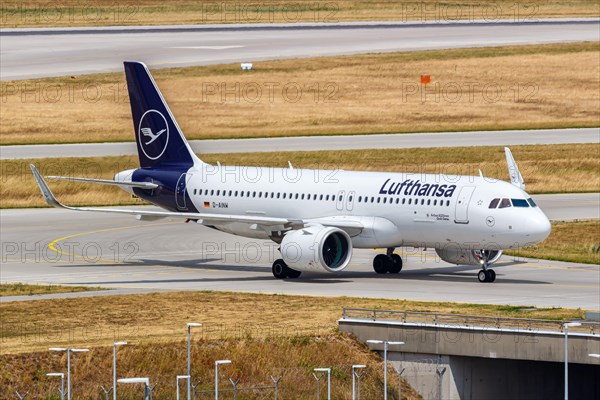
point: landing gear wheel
(486, 275)
(396, 265)
(482, 275)
(280, 269)
(381, 264)
(293, 274)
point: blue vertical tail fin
(160, 142)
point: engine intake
(456, 255)
(317, 248)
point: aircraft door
(180, 190)
(461, 210)
(350, 200)
(339, 200)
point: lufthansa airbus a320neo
(318, 216)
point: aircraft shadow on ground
(454, 274)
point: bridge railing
(429, 318)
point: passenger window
(242, 193)
(212, 192)
(284, 195)
(435, 202)
(404, 200)
(531, 202)
(422, 201)
(384, 200)
(504, 203)
(428, 202)
(409, 201)
(520, 203)
(194, 191)
(359, 199)
(397, 200)
(350, 198)
(494, 203)
(447, 203)
(278, 194)
(302, 198)
(321, 197)
(253, 194)
(378, 200)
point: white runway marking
(206, 47)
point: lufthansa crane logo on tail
(153, 134)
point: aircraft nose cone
(538, 227)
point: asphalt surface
(308, 143)
(131, 256)
(31, 53)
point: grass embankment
(97, 321)
(569, 241)
(253, 362)
(546, 168)
(261, 334)
(519, 87)
(29, 13)
(21, 289)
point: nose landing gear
(389, 262)
(486, 274)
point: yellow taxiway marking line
(52, 244)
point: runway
(314, 143)
(31, 53)
(50, 246)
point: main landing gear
(486, 274)
(389, 262)
(282, 271)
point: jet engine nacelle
(455, 255)
(317, 248)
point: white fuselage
(396, 209)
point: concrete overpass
(468, 357)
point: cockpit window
(520, 203)
(531, 202)
(504, 203)
(494, 203)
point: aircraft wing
(203, 218)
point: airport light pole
(178, 378)
(145, 381)
(190, 325)
(68, 350)
(115, 344)
(385, 343)
(566, 329)
(217, 363)
(356, 377)
(328, 370)
(62, 383)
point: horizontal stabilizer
(141, 185)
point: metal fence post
(276, 385)
(106, 392)
(440, 372)
(234, 383)
(194, 389)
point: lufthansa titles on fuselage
(416, 188)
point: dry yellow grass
(253, 360)
(545, 168)
(569, 241)
(30, 13)
(21, 289)
(542, 86)
(98, 321)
